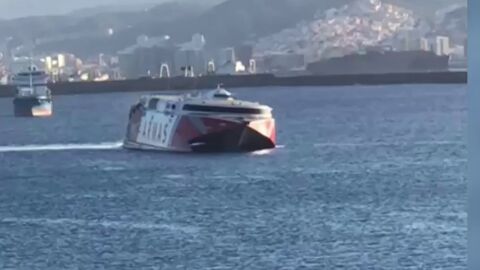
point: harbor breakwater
(257, 80)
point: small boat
(213, 121)
(33, 97)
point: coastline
(257, 80)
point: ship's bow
(42, 110)
(243, 136)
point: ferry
(33, 97)
(210, 121)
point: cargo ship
(212, 121)
(32, 97)
(381, 61)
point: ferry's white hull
(144, 147)
(155, 131)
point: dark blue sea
(363, 178)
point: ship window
(33, 73)
(202, 108)
(159, 132)
(224, 96)
(152, 104)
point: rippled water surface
(363, 178)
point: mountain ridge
(223, 23)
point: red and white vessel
(200, 122)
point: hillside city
(334, 32)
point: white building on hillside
(443, 45)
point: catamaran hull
(193, 133)
(32, 107)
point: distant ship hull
(32, 107)
(381, 63)
(187, 133)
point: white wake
(61, 147)
(99, 223)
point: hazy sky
(20, 8)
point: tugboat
(213, 121)
(33, 97)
